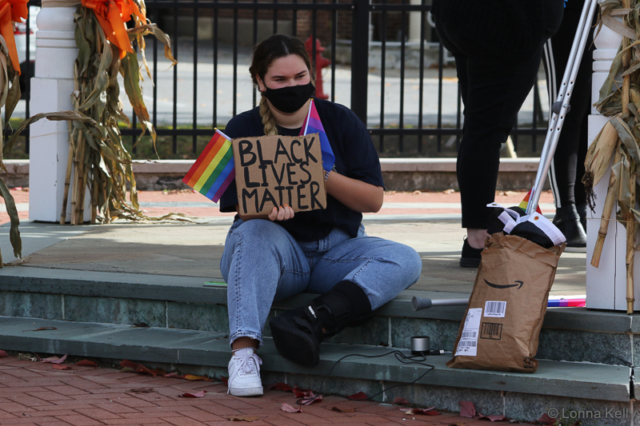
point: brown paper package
(511, 288)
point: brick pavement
(21, 195)
(34, 393)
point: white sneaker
(244, 373)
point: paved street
(244, 94)
(43, 394)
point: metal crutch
(561, 106)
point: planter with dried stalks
(618, 140)
(98, 163)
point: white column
(606, 285)
(51, 90)
(414, 24)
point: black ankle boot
(568, 222)
(298, 333)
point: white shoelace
(245, 366)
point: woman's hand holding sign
(282, 213)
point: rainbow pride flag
(214, 169)
(312, 124)
(525, 202)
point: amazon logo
(505, 285)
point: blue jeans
(263, 263)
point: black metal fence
(386, 65)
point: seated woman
(321, 251)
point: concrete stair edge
(198, 348)
(192, 290)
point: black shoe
(297, 334)
(470, 256)
(567, 220)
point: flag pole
(306, 124)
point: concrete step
(175, 302)
(561, 385)
(400, 174)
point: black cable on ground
(404, 359)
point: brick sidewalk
(21, 195)
(34, 393)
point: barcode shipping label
(468, 344)
(495, 309)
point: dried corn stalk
(98, 160)
(9, 96)
(619, 99)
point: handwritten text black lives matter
(277, 170)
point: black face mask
(290, 99)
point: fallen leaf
(546, 419)
(142, 390)
(141, 325)
(302, 393)
(467, 409)
(55, 359)
(360, 396)
(60, 367)
(86, 363)
(225, 380)
(26, 357)
(289, 409)
(242, 418)
(128, 370)
(193, 395)
(343, 410)
(174, 375)
(310, 400)
(139, 368)
(428, 411)
(43, 329)
(498, 418)
(400, 400)
(3, 354)
(196, 378)
(281, 387)
(129, 364)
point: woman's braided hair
(274, 47)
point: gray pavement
(193, 251)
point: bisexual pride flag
(312, 124)
(214, 169)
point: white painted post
(606, 285)
(51, 90)
(414, 24)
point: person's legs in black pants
(495, 78)
(496, 91)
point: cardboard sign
(272, 171)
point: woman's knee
(407, 261)
(411, 263)
(256, 236)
